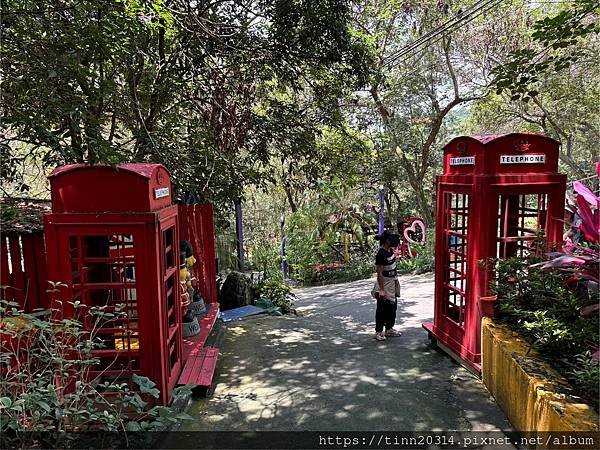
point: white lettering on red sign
(462, 161)
(161, 192)
(522, 159)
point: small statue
(196, 306)
(190, 325)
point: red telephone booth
(497, 195)
(112, 239)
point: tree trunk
(290, 197)
(423, 204)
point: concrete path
(324, 371)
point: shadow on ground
(323, 370)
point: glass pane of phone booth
(103, 275)
(455, 244)
(521, 222)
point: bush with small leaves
(277, 291)
(46, 385)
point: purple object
(381, 209)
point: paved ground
(324, 371)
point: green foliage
(540, 305)
(304, 249)
(532, 90)
(265, 257)
(422, 263)
(557, 44)
(412, 95)
(277, 291)
(219, 92)
(51, 389)
(357, 268)
(587, 375)
(332, 227)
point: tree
(175, 81)
(548, 83)
(414, 94)
(566, 108)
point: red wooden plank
(209, 364)
(4, 270)
(192, 366)
(199, 249)
(197, 226)
(184, 376)
(188, 371)
(200, 213)
(196, 366)
(194, 344)
(208, 227)
(200, 369)
(207, 322)
(18, 282)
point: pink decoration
(416, 224)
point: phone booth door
(104, 296)
(455, 242)
(171, 310)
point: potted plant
(487, 305)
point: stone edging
(533, 396)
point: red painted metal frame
(486, 182)
(124, 188)
(159, 352)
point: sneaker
(392, 333)
(380, 336)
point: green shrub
(587, 375)
(422, 263)
(50, 389)
(328, 233)
(302, 232)
(355, 269)
(265, 257)
(540, 305)
(277, 291)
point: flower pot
(487, 305)
(198, 308)
(189, 329)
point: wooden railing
(23, 273)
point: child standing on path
(387, 287)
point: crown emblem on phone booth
(522, 145)
(461, 148)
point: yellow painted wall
(533, 396)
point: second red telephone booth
(497, 195)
